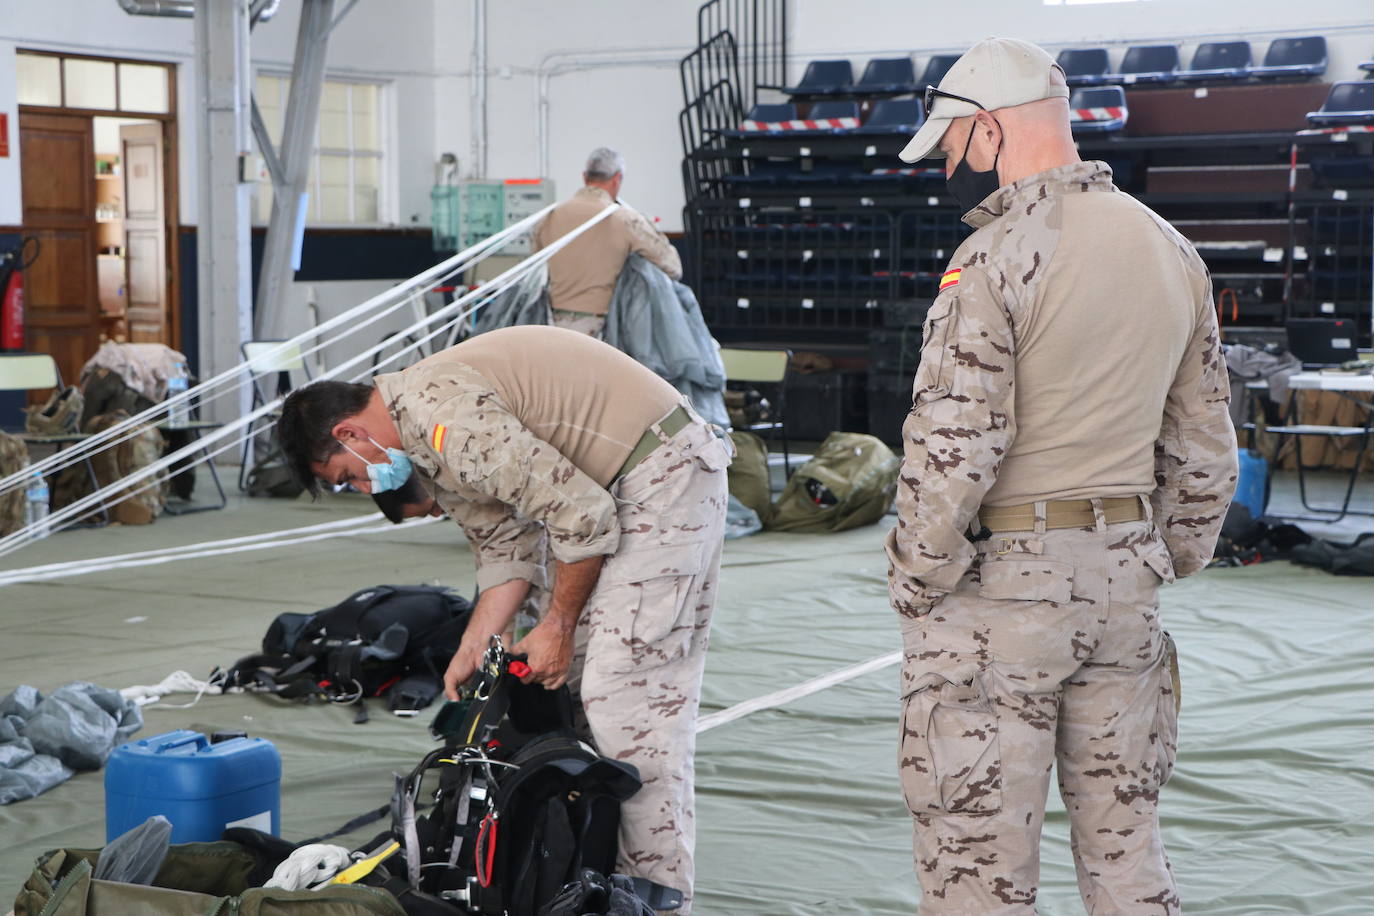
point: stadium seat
(765, 117)
(936, 68)
(764, 173)
(824, 77)
(834, 115)
(1368, 67)
(1148, 64)
(1293, 57)
(1097, 111)
(1219, 60)
(1348, 102)
(887, 76)
(893, 116)
(1084, 66)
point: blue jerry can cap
(183, 764)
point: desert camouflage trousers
(1049, 654)
(581, 322)
(641, 645)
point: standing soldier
(607, 469)
(1068, 450)
(582, 276)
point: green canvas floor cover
(1271, 809)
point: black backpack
(522, 809)
(392, 640)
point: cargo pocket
(1159, 560)
(1030, 579)
(950, 760)
(931, 383)
(1167, 710)
(647, 618)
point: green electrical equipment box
(483, 209)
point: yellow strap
(364, 868)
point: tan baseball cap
(995, 73)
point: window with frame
(346, 165)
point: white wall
(373, 41)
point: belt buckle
(1006, 548)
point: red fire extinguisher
(13, 263)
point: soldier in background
(606, 469)
(582, 276)
(1068, 450)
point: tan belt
(671, 425)
(1062, 513)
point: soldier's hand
(462, 667)
(549, 648)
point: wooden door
(57, 177)
(145, 233)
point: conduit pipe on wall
(262, 10)
(556, 63)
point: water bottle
(36, 508)
(180, 413)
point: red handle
(518, 668)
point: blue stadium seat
(1098, 110)
(1084, 66)
(887, 76)
(836, 111)
(1219, 60)
(824, 77)
(764, 173)
(1293, 57)
(893, 116)
(936, 68)
(1368, 67)
(1348, 102)
(1148, 64)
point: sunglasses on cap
(933, 93)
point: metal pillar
(291, 169)
(222, 240)
(479, 89)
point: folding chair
(38, 372)
(763, 367)
(267, 359)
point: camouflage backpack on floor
(14, 454)
(113, 463)
(850, 481)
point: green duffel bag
(196, 879)
(748, 474)
(849, 482)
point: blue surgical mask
(390, 475)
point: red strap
(486, 850)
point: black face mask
(393, 502)
(968, 187)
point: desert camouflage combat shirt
(1072, 352)
(519, 432)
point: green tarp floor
(1271, 809)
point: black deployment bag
(521, 811)
(392, 640)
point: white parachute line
(75, 567)
(125, 485)
(790, 694)
(202, 551)
(402, 293)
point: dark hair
(308, 417)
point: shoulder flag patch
(436, 438)
(950, 278)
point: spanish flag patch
(950, 278)
(436, 439)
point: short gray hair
(604, 164)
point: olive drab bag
(748, 474)
(850, 481)
(194, 879)
(14, 455)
